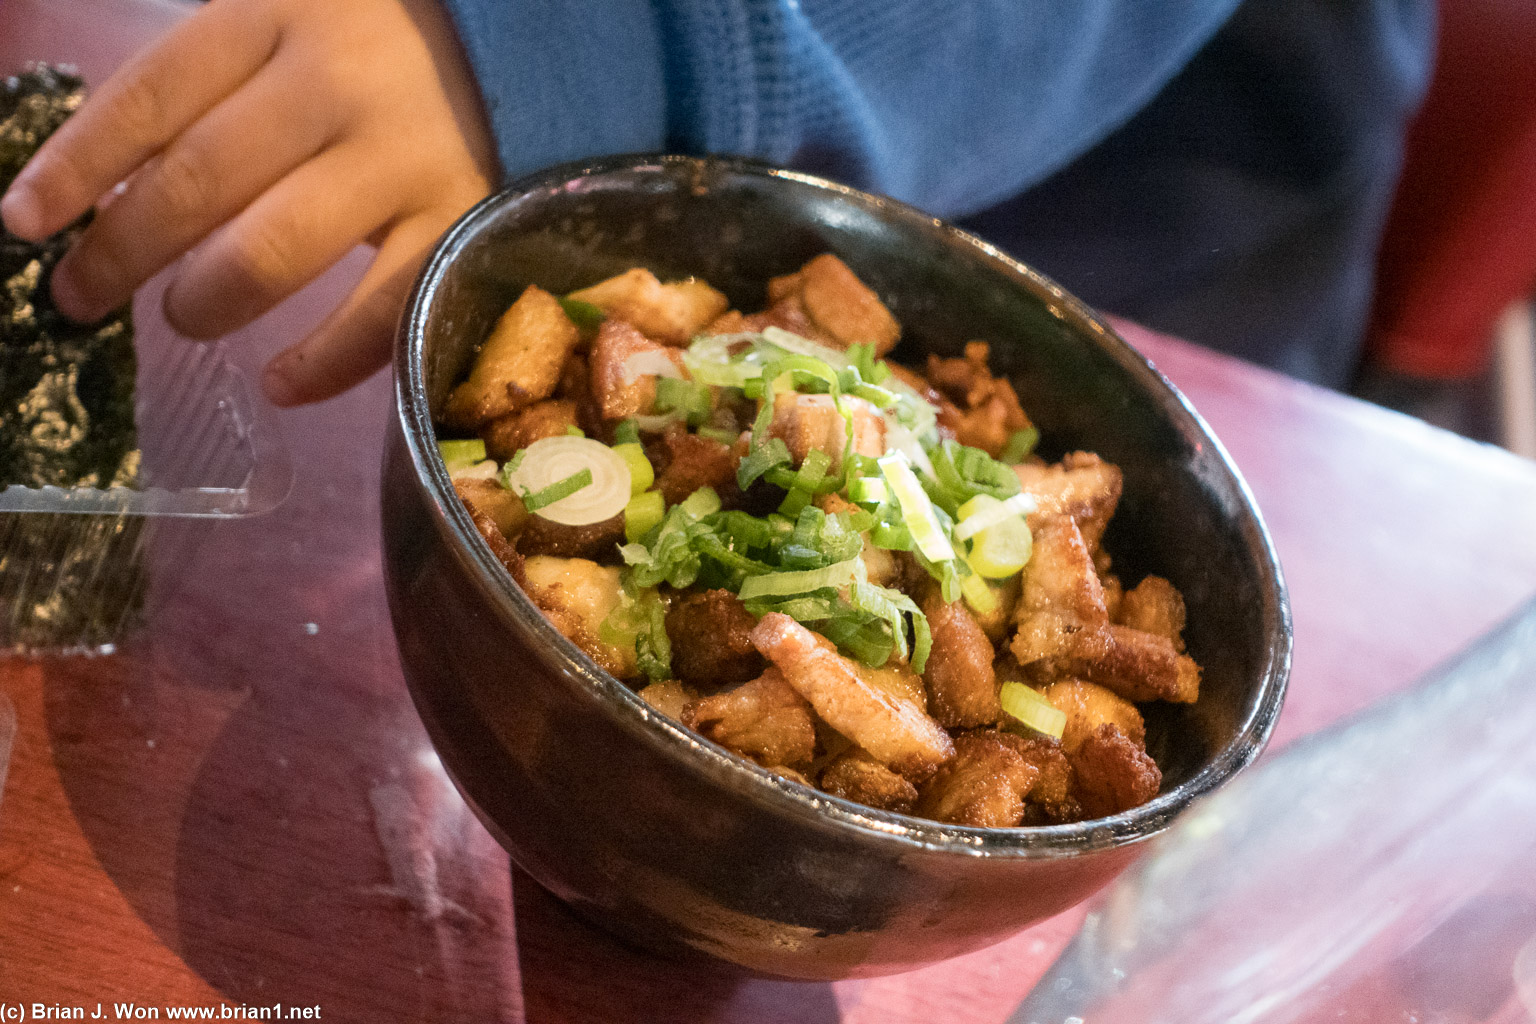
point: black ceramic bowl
(669, 840)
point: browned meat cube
(805, 422)
(989, 410)
(542, 536)
(489, 498)
(670, 313)
(1088, 706)
(854, 775)
(1155, 606)
(984, 786)
(1050, 800)
(506, 435)
(519, 363)
(576, 595)
(491, 531)
(962, 688)
(692, 462)
(1082, 486)
(622, 386)
(1112, 774)
(841, 307)
(764, 719)
(711, 635)
(894, 731)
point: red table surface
(241, 806)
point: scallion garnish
(1031, 708)
(575, 481)
(785, 584)
(1019, 445)
(916, 509)
(546, 496)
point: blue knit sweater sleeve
(952, 106)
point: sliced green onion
(985, 511)
(650, 362)
(891, 536)
(724, 436)
(786, 584)
(979, 594)
(803, 487)
(545, 496)
(642, 513)
(574, 481)
(574, 431)
(1032, 709)
(626, 432)
(1019, 445)
(487, 470)
(653, 649)
(916, 509)
(687, 397)
(760, 459)
(461, 454)
(701, 503)
(867, 490)
(641, 475)
(583, 314)
(893, 606)
(1002, 549)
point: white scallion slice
(1031, 708)
(485, 470)
(553, 459)
(650, 363)
(867, 490)
(916, 509)
(785, 584)
(985, 511)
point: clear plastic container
(1382, 870)
(72, 561)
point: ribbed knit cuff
(565, 79)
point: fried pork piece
(519, 363)
(897, 679)
(995, 623)
(1112, 774)
(842, 308)
(576, 595)
(505, 435)
(1082, 486)
(670, 313)
(1154, 606)
(962, 688)
(622, 385)
(542, 536)
(1088, 706)
(1050, 800)
(692, 462)
(488, 528)
(805, 422)
(711, 635)
(489, 498)
(854, 775)
(894, 731)
(988, 408)
(764, 719)
(984, 786)
(669, 697)
(576, 386)
(880, 564)
(1064, 627)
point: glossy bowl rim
(737, 773)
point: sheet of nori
(66, 416)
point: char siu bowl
(787, 577)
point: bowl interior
(1186, 513)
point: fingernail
(70, 300)
(20, 210)
(277, 386)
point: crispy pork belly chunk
(490, 499)
(621, 388)
(1050, 801)
(1088, 706)
(983, 786)
(1112, 774)
(691, 462)
(854, 775)
(988, 409)
(669, 697)
(506, 435)
(894, 731)
(1154, 606)
(1082, 486)
(576, 595)
(807, 422)
(542, 536)
(764, 719)
(962, 688)
(519, 363)
(576, 386)
(1064, 628)
(711, 635)
(670, 313)
(490, 529)
(841, 308)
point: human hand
(274, 135)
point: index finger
(142, 107)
